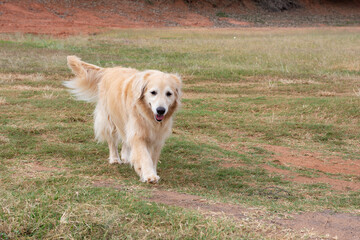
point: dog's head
(160, 92)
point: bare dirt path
(337, 225)
(327, 223)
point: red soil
(83, 16)
(86, 16)
(335, 165)
(287, 156)
(336, 184)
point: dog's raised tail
(87, 77)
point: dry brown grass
(4, 139)
(31, 88)
(207, 95)
(13, 77)
(2, 100)
(326, 94)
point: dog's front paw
(124, 159)
(150, 179)
(125, 154)
(115, 160)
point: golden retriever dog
(133, 107)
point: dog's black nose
(160, 110)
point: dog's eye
(168, 94)
(153, 93)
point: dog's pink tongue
(159, 117)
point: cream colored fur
(127, 102)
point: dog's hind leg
(113, 141)
(105, 130)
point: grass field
(270, 122)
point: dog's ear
(178, 84)
(139, 84)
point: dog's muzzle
(160, 114)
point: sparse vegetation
(221, 14)
(288, 88)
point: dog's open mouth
(159, 118)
